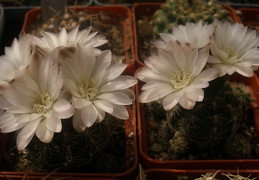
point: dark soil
(112, 28)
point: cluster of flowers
(57, 76)
(184, 62)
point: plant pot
(153, 174)
(148, 9)
(117, 15)
(127, 170)
(249, 16)
(40, 176)
(240, 3)
(129, 165)
(123, 2)
(36, 3)
(111, 3)
(217, 164)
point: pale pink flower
(175, 75)
(234, 48)
(97, 87)
(35, 103)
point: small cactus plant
(68, 150)
(214, 120)
(204, 107)
(179, 12)
(62, 128)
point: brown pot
(173, 174)
(118, 14)
(148, 9)
(131, 157)
(123, 2)
(249, 16)
(130, 166)
(149, 163)
(240, 4)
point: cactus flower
(234, 48)
(49, 41)
(195, 34)
(16, 58)
(97, 86)
(35, 103)
(176, 74)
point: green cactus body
(214, 120)
(69, 150)
(177, 12)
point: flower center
(180, 80)
(231, 56)
(88, 89)
(42, 103)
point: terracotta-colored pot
(148, 9)
(148, 163)
(126, 3)
(130, 166)
(118, 14)
(55, 176)
(107, 3)
(235, 4)
(131, 158)
(249, 16)
(174, 174)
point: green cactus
(177, 12)
(67, 151)
(216, 119)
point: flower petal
(26, 134)
(53, 123)
(89, 115)
(43, 133)
(104, 105)
(170, 101)
(118, 98)
(78, 123)
(120, 112)
(187, 103)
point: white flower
(16, 58)
(97, 87)
(176, 75)
(53, 41)
(35, 103)
(234, 48)
(197, 35)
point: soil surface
(112, 28)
